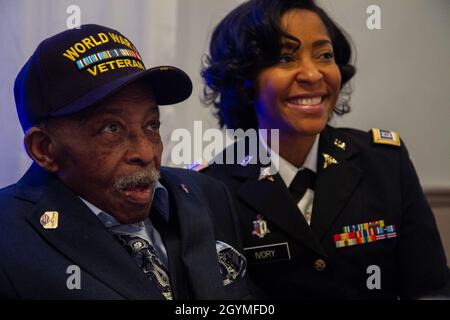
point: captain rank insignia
(386, 137)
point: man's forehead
(124, 104)
(125, 108)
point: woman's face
(297, 94)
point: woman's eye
(327, 56)
(112, 128)
(285, 58)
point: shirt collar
(160, 202)
(287, 170)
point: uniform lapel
(336, 183)
(198, 250)
(272, 200)
(82, 238)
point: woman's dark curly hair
(247, 41)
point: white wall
(403, 79)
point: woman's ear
(41, 149)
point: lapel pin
(260, 228)
(340, 144)
(49, 220)
(246, 160)
(184, 188)
(265, 174)
(328, 160)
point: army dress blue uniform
(369, 215)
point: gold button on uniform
(319, 265)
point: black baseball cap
(77, 68)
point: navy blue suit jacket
(34, 261)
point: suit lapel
(198, 250)
(335, 184)
(170, 235)
(82, 238)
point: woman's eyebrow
(290, 46)
(321, 42)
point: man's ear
(41, 149)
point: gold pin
(340, 144)
(328, 160)
(49, 220)
(184, 188)
(265, 174)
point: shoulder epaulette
(197, 165)
(386, 137)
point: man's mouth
(138, 194)
(138, 187)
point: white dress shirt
(143, 229)
(288, 171)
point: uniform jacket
(290, 259)
(35, 261)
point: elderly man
(96, 216)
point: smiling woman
(342, 200)
(298, 93)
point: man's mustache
(147, 177)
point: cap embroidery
(106, 55)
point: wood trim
(438, 198)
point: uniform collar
(287, 170)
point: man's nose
(141, 150)
(308, 73)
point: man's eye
(154, 126)
(112, 128)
